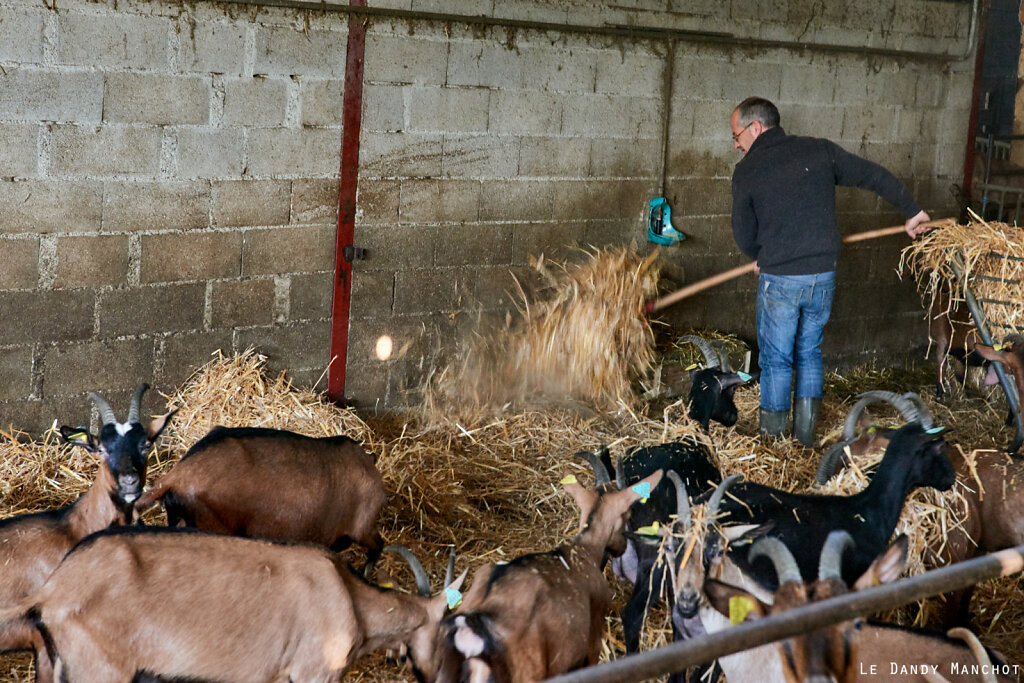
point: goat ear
(584, 497)
(157, 426)
(79, 436)
(733, 602)
(886, 567)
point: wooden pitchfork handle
(707, 283)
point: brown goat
(277, 485)
(541, 614)
(32, 545)
(181, 604)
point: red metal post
(352, 115)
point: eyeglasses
(736, 136)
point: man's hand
(914, 227)
(757, 269)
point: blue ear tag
(744, 376)
(453, 597)
(934, 430)
(643, 489)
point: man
(784, 219)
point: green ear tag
(694, 366)
(739, 607)
(453, 597)
(651, 530)
(570, 479)
(744, 376)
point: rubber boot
(774, 424)
(805, 417)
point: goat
(688, 460)
(915, 456)
(542, 614)
(1012, 359)
(32, 545)
(277, 485)
(851, 649)
(184, 604)
(713, 386)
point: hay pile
(992, 278)
(585, 341)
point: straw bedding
(485, 480)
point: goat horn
(716, 498)
(422, 582)
(906, 407)
(710, 359)
(682, 499)
(620, 475)
(723, 355)
(775, 550)
(831, 563)
(133, 409)
(977, 649)
(601, 475)
(449, 574)
(830, 462)
(926, 415)
(106, 412)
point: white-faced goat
(851, 649)
(275, 484)
(713, 386)
(179, 604)
(541, 614)
(32, 545)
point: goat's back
(277, 485)
(31, 547)
(194, 605)
(894, 651)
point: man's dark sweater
(784, 200)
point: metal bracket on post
(981, 323)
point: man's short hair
(758, 109)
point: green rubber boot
(805, 418)
(774, 424)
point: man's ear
(79, 436)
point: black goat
(713, 386)
(915, 456)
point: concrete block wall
(169, 172)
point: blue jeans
(791, 314)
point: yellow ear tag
(691, 367)
(78, 436)
(739, 607)
(872, 429)
(998, 347)
(651, 530)
(570, 479)
(387, 585)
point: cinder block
(603, 199)
(556, 241)
(929, 90)
(315, 200)
(480, 63)
(306, 151)
(711, 120)
(255, 101)
(182, 353)
(323, 104)
(251, 202)
(105, 150)
(152, 309)
(556, 69)
(697, 78)
(158, 99)
(853, 88)
(855, 200)
(176, 256)
(91, 261)
(616, 158)
(520, 200)
(387, 155)
(114, 40)
(298, 346)
(611, 116)
(19, 148)
(493, 289)
(529, 10)
(21, 34)
(893, 87)
(373, 294)
(288, 250)
(38, 95)
(474, 244)
(432, 201)
(383, 107)
(691, 158)
(213, 47)
(525, 112)
(480, 156)
(240, 303)
(210, 153)
(310, 296)
(393, 247)
(15, 373)
(457, 110)
(46, 315)
(802, 84)
(897, 157)
(21, 262)
(917, 125)
(103, 366)
(366, 386)
(554, 156)
(474, 8)
(636, 71)
(428, 291)
(404, 59)
(51, 206)
(746, 79)
(181, 205)
(823, 122)
(377, 201)
(286, 51)
(876, 122)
